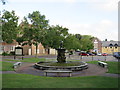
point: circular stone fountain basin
(74, 66)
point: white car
(99, 54)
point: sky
(98, 18)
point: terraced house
(110, 47)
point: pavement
(93, 70)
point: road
(93, 58)
(72, 57)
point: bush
(5, 53)
(12, 53)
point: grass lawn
(112, 66)
(32, 60)
(30, 81)
(6, 66)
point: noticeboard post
(18, 52)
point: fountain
(61, 62)
(61, 54)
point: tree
(78, 36)
(9, 26)
(71, 42)
(39, 26)
(54, 35)
(27, 34)
(86, 42)
(34, 30)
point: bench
(103, 64)
(15, 65)
(58, 72)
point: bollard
(92, 57)
(81, 57)
(105, 58)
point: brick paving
(93, 70)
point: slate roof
(110, 43)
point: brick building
(97, 45)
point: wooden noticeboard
(18, 52)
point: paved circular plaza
(93, 70)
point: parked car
(104, 54)
(99, 54)
(116, 54)
(83, 54)
(91, 54)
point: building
(27, 50)
(5, 47)
(110, 47)
(97, 45)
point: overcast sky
(98, 18)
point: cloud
(107, 5)
(103, 29)
(67, 1)
(39, 1)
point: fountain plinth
(61, 55)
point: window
(2, 47)
(110, 47)
(111, 44)
(115, 47)
(105, 47)
(11, 48)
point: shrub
(5, 53)
(12, 53)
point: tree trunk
(36, 50)
(31, 49)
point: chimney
(105, 39)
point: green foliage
(5, 54)
(30, 81)
(86, 42)
(9, 26)
(71, 42)
(34, 30)
(54, 36)
(78, 36)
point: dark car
(104, 54)
(83, 54)
(91, 54)
(116, 54)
